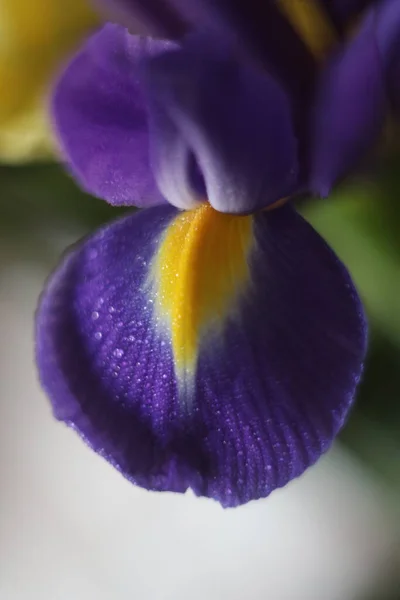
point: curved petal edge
(203, 350)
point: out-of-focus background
(70, 526)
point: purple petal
(101, 118)
(160, 17)
(344, 12)
(388, 39)
(275, 377)
(172, 159)
(349, 111)
(235, 120)
(264, 33)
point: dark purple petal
(349, 110)
(235, 120)
(344, 12)
(388, 39)
(160, 17)
(268, 36)
(101, 118)
(261, 28)
(274, 380)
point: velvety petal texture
(203, 350)
(130, 111)
(349, 110)
(235, 121)
(101, 118)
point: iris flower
(35, 38)
(212, 340)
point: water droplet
(98, 335)
(95, 315)
(115, 374)
(118, 353)
(131, 338)
(112, 309)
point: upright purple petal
(263, 32)
(101, 118)
(349, 109)
(277, 365)
(235, 120)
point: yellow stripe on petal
(200, 269)
(311, 23)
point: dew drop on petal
(98, 335)
(95, 315)
(118, 353)
(93, 254)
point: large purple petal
(388, 39)
(101, 118)
(235, 120)
(349, 110)
(274, 379)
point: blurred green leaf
(35, 195)
(356, 223)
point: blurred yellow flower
(36, 36)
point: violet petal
(274, 379)
(101, 118)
